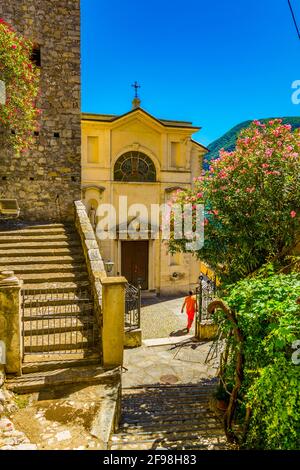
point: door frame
(149, 270)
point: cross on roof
(136, 86)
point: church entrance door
(135, 262)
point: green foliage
(21, 77)
(275, 402)
(228, 140)
(269, 317)
(252, 201)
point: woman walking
(190, 303)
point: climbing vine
(21, 78)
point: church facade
(146, 160)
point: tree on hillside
(18, 116)
(252, 200)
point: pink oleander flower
(293, 214)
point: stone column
(10, 321)
(113, 314)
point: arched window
(134, 166)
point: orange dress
(191, 308)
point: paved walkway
(168, 364)
(161, 317)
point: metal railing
(132, 307)
(58, 322)
(205, 294)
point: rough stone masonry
(47, 180)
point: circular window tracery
(134, 166)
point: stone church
(145, 159)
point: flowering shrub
(268, 315)
(251, 198)
(19, 113)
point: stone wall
(94, 262)
(48, 179)
(108, 293)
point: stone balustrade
(108, 293)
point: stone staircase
(57, 310)
(174, 417)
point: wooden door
(135, 261)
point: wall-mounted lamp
(109, 266)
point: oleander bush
(19, 114)
(252, 201)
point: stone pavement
(64, 418)
(170, 364)
(162, 317)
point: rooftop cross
(136, 86)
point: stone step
(172, 436)
(34, 309)
(154, 431)
(49, 226)
(58, 326)
(44, 268)
(169, 406)
(35, 382)
(48, 260)
(40, 245)
(38, 366)
(5, 239)
(69, 341)
(35, 231)
(207, 384)
(162, 392)
(78, 333)
(216, 447)
(169, 416)
(49, 288)
(35, 278)
(56, 302)
(30, 252)
(166, 417)
(195, 441)
(132, 401)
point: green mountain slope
(228, 140)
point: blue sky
(213, 62)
